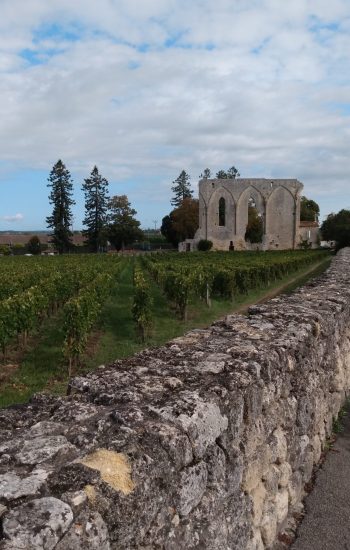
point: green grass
(42, 366)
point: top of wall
(150, 452)
(237, 186)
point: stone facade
(277, 201)
(310, 232)
(205, 443)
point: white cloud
(15, 218)
(251, 83)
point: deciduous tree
(34, 245)
(336, 227)
(309, 210)
(167, 229)
(186, 218)
(123, 228)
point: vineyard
(139, 301)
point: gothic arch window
(222, 211)
(255, 226)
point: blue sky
(146, 89)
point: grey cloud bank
(145, 89)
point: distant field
(66, 315)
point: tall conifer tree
(181, 189)
(60, 197)
(96, 206)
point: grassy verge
(42, 367)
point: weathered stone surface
(13, 486)
(88, 531)
(278, 201)
(41, 449)
(206, 442)
(38, 524)
(192, 486)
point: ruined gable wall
(205, 443)
(277, 201)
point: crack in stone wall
(207, 442)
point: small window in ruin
(222, 211)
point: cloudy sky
(146, 88)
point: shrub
(4, 250)
(204, 245)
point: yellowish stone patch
(113, 467)
(90, 493)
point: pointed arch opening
(255, 226)
(222, 212)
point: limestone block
(307, 466)
(193, 483)
(317, 448)
(278, 446)
(45, 427)
(281, 505)
(214, 363)
(76, 500)
(295, 488)
(256, 542)
(88, 531)
(12, 486)
(256, 468)
(258, 495)
(272, 479)
(41, 449)
(285, 472)
(176, 444)
(253, 404)
(38, 524)
(254, 437)
(204, 426)
(268, 529)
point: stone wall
(205, 443)
(277, 201)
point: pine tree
(96, 206)
(181, 188)
(60, 197)
(221, 175)
(232, 173)
(205, 174)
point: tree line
(113, 219)
(106, 218)
(183, 221)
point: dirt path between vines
(289, 286)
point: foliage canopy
(336, 227)
(309, 210)
(123, 228)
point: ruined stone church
(223, 214)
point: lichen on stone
(113, 467)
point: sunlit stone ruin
(223, 214)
